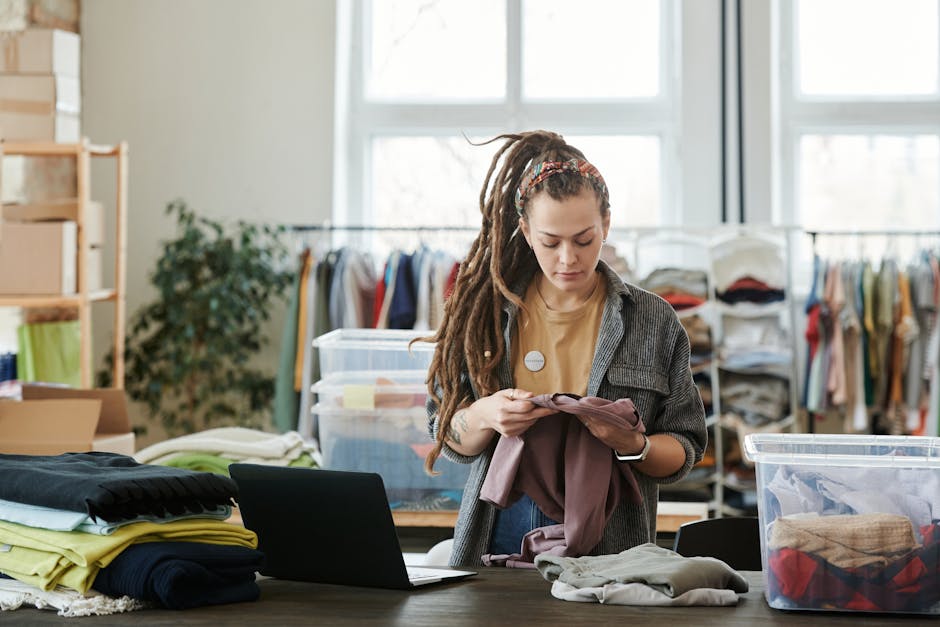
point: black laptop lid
(324, 526)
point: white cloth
(648, 564)
(65, 520)
(641, 594)
(232, 442)
(304, 418)
(15, 594)
(910, 492)
(423, 303)
(751, 256)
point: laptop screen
(321, 525)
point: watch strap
(636, 457)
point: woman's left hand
(623, 441)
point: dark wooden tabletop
(496, 596)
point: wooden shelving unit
(83, 299)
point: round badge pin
(534, 361)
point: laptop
(327, 526)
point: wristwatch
(636, 457)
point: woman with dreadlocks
(568, 390)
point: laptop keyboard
(423, 574)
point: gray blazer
(642, 352)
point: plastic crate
(369, 389)
(391, 441)
(353, 350)
(849, 523)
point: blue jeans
(513, 523)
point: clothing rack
(894, 239)
(873, 233)
(364, 227)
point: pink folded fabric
(559, 451)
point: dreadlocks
(470, 336)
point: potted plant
(188, 353)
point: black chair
(735, 541)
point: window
(423, 76)
(860, 132)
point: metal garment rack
(367, 228)
(873, 233)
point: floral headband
(545, 169)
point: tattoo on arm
(459, 420)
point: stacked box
(38, 258)
(58, 211)
(16, 15)
(371, 415)
(40, 100)
(849, 522)
(40, 91)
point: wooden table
(669, 516)
(495, 596)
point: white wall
(227, 104)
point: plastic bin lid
(384, 413)
(868, 451)
(374, 339)
(390, 380)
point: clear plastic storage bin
(371, 389)
(849, 522)
(347, 350)
(383, 428)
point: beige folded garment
(847, 541)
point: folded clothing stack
(213, 450)
(102, 526)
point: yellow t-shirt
(565, 339)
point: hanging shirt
(565, 340)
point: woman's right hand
(507, 412)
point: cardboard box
(16, 15)
(64, 128)
(41, 51)
(57, 210)
(40, 94)
(38, 258)
(40, 108)
(108, 428)
(112, 431)
(37, 179)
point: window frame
(689, 136)
(801, 115)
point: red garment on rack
(451, 280)
(379, 297)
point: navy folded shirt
(181, 575)
(110, 486)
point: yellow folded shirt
(46, 558)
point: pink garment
(559, 451)
(835, 299)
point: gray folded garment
(659, 568)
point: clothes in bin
(392, 443)
(849, 523)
